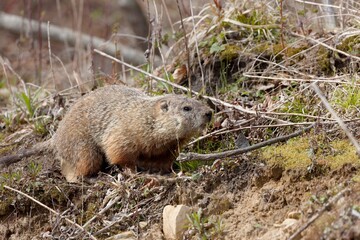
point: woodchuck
(125, 127)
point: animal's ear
(164, 105)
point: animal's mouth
(209, 116)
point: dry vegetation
(267, 68)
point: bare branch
(16, 24)
(296, 235)
(213, 99)
(186, 157)
(337, 118)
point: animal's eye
(187, 108)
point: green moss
(347, 97)
(230, 52)
(253, 18)
(204, 147)
(323, 60)
(263, 48)
(5, 205)
(356, 178)
(302, 12)
(256, 17)
(278, 51)
(90, 211)
(291, 51)
(7, 150)
(344, 153)
(291, 155)
(56, 196)
(350, 45)
(299, 105)
(2, 136)
(295, 154)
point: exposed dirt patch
(267, 194)
(252, 200)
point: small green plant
(189, 166)
(347, 97)
(223, 74)
(40, 127)
(298, 105)
(197, 222)
(34, 169)
(203, 227)
(319, 199)
(217, 48)
(11, 177)
(356, 208)
(7, 118)
(28, 102)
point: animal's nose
(208, 115)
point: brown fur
(127, 128)
(122, 126)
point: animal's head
(182, 116)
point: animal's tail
(37, 149)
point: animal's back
(127, 128)
(124, 127)
(81, 136)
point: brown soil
(246, 197)
(252, 200)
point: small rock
(128, 235)
(175, 221)
(294, 215)
(4, 93)
(143, 224)
(286, 224)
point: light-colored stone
(175, 221)
(294, 215)
(129, 235)
(143, 224)
(286, 224)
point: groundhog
(123, 126)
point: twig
(282, 23)
(325, 5)
(168, 16)
(229, 130)
(327, 46)
(188, 68)
(296, 114)
(17, 24)
(325, 80)
(240, 24)
(337, 118)
(51, 210)
(119, 220)
(115, 200)
(50, 58)
(6, 63)
(186, 157)
(317, 215)
(215, 100)
(197, 45)
(3, 145)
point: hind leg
(82, 160)
(124, 160)
(158, 163)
